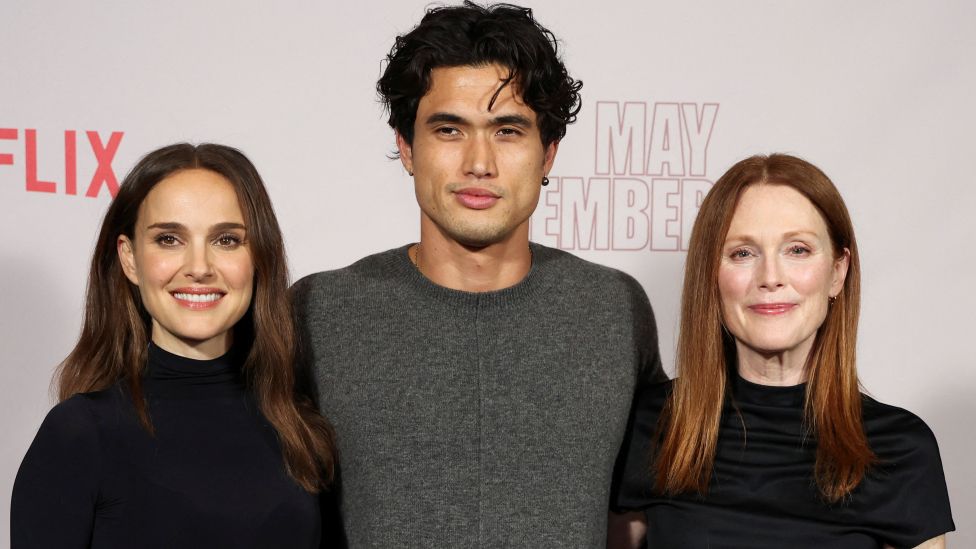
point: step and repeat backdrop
(878, 94)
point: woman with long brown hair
(764, 438)
(179, 424)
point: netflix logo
(91, 147)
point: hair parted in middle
(689, 425)
(473, 35)
(117, 327)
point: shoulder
(906, 448)
(84, 414)
(75, 424)
(576, 273)
(368, 271)
(71, 418)
(893, 430)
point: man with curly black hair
(479, 383)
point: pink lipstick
(772, 308)
(198, 298)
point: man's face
(477, 172)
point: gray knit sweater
(476, 419)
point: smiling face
(777, 272)
(190, 259)
(477, 172)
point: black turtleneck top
(763, 495)
(211, 476)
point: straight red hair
(115, 332)
(689, 426)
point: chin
(479, 237)
(774, 346)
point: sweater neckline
(535, 281)
(790, 396)
(171, 370)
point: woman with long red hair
(179, 423)
(764, 439)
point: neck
(197, 350)
(783, 368)
(453, 265)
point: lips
(476, 198)
(198, 298)
(772, 308)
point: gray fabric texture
(476, 419)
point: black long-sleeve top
(763, 494)
(211, 476)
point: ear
(127, 259)
(550, 157)
(406, 153)
(841, 264)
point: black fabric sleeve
(908, 485)
(633, 487)
(56, 489)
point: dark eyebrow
(441, 117)
(174, 226)
(503, 120)
(512, 120)
(227, 226)
(167, 226)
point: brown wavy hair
(115, 332)
(689, 427)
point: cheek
(156, 268)
(238, 272)
(733, 284)
(529, 196)
(811, 280)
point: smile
(203, 298)
(198, 298)
(772, 308)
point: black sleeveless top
(762, 493)
(212, 476)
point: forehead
(195, 195)
(470, 89)
(767, 209)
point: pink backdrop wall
(878, 94)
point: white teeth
(197, 298)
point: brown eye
(228, 241)
(166, 240)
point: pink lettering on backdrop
(650, 177)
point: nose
(770, 273)
(479, 158)
(199, 264)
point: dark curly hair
(473, 35)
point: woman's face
(778, 271)
(189, 256)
